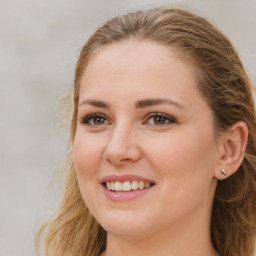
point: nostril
(119, 159)
(126, 160)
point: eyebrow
(95, 103)
(156, 101)
(139, 104)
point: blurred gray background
(39, 44)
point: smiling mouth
(127, 186)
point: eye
(95, 119)
(159, 119)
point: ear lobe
(233, 148)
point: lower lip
(125, 196)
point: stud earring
(224, 172)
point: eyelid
(84, 120)
(170, 118)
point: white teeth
(141, 185)
(127, 185)
(108, 184)
(118, 186)
(135, 185)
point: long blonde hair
(223, 83)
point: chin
(125, 224)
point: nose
(122, 148)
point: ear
(232, 148)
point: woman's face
(145, 149)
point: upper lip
(125, 177)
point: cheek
(185, 166)
(184, 156)
(87, 157)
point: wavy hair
(224, 84)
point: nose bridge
(122, 147)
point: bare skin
(169, 140)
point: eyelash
(165, 118)
(92, 117)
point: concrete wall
(39, 44)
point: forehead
(138, 49)
(122, 62)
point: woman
(163, 143)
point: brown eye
(160, 119)
(95, 120)
(98, 120)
